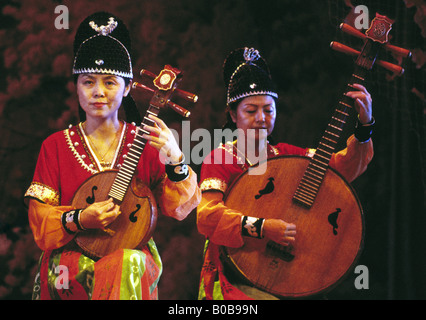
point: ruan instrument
(307, 192)
(135, 225)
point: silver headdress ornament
(104, 30)
(251, 54)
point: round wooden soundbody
(329, 235)
(133, 227)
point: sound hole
(267, 189)
(91, 199)
(332, 219)
(132, 216)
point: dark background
(37, 97)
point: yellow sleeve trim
(44, 193)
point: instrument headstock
(166, 83)
(376, 36)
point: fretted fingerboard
(311, 181)
(128, 168)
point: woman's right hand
(99, 215)
(279, 231)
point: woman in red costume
(103, 72)
(251, 108)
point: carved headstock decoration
(166, 84)
(375, 37)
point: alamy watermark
(362, 281)
(362, 21)
(62, 20)
(62, 280)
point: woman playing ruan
(103, 73)
(251, 107)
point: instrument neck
(309, 185)
(332, 134)
(128, 168)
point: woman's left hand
(162, 139)
(363, 103)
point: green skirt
(68, 274)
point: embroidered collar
(77, 142)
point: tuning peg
(145, 72)
(404, 53)
(398, 70)
(188, 96)
(346, 28)
(182, 111)
(343, 48)
(137, 85)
